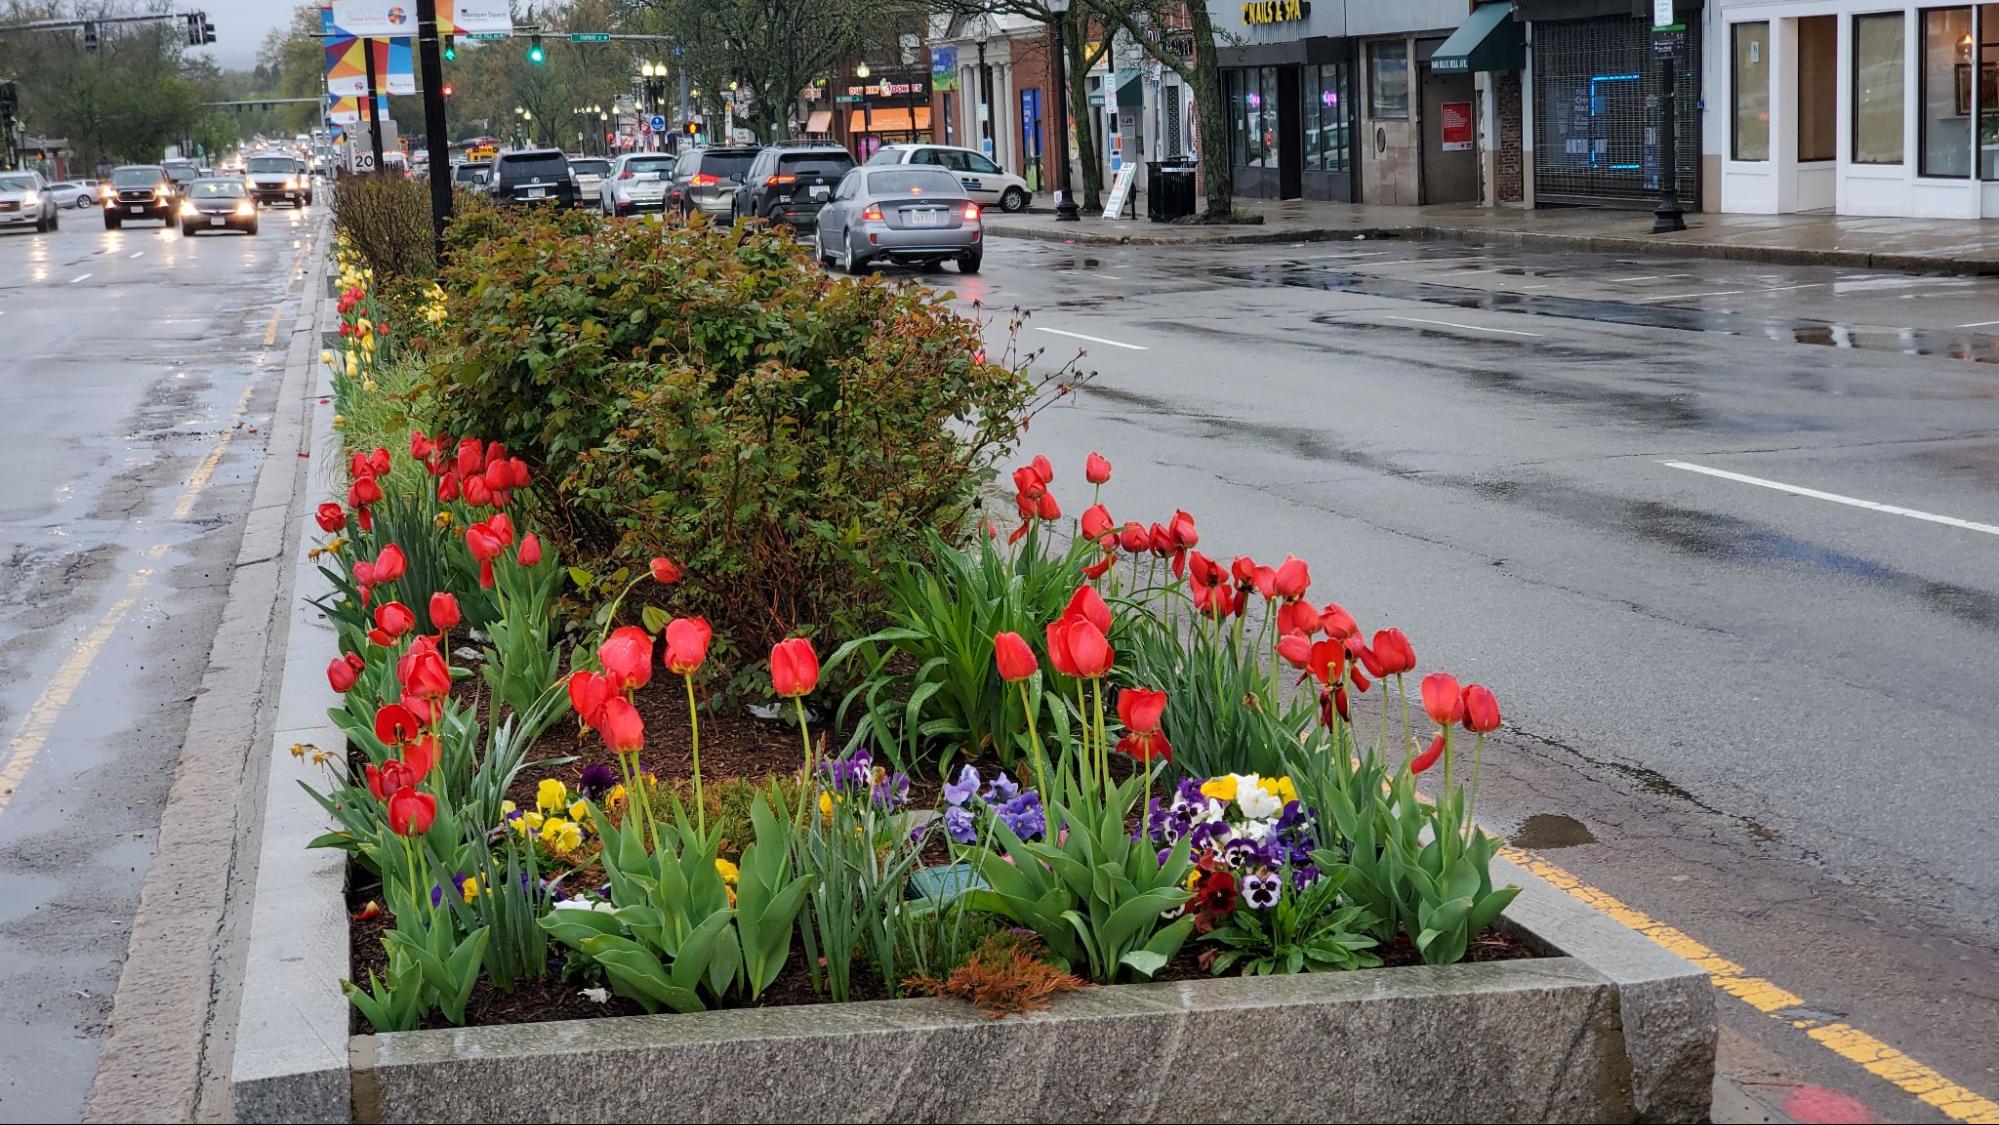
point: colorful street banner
(943, 68)
(384, 18)
(347, 67)
(347, 111)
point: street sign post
(589, 37)
(657, 122)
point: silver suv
(25, 198)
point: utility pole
(1668, 40)
(373, 105)
(1066, 210)
(431, 55)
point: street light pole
(1066, 210)
(434, 125)
(373, 105)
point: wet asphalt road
(1761, 717)
(135, 382)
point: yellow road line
(199, 479)
(271, 331)
(1850, 1043)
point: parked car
(705, 179)
(217, 203)
(985, 181)
(25, 198)
(139, 191)
(637, 182)
(532, 176)
(589, 173)
(790, 183)
(909, 215)
(471, 174)
(274, 177)
(75, 193)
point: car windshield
(590, 167)
(272, 164)
(726, 165)
(16, 183)
(651, 165)
(136, 177)
(889, 155)
(533, 166)
(217, 189)
(831, 165)
(914, 181)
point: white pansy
(1256, 801)
(595, 995)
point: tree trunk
(1217, 174)
(1091, 196)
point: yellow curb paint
(27, 742)
(271, 331)
(1850, 1043)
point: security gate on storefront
(1595, 82)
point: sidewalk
(1956, 246)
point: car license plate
(136, 210)
(820, 191)
(537, 193)
(216, 220)
(924, 218)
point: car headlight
(291, 184)
(188, 209)
(162, 192)
(245, 207)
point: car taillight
(873, 214)
(971, 210)
(776, 180)
(703, 179)
(627, 174)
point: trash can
(1169, 190)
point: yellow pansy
(562, 836)
(550, 795)
(443, 521)
(1280, 788)
(470, 888)
(728, 871)
(1220, 788)
(615, 797)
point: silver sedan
(905, 214)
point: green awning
(1489, 39)
(1130, 88)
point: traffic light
(200, 32)
(207, 29)
(451, 48)
(90, 37)
(693, 128)
(536, 55)
(447, 89)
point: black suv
(790, 183)
(538, 175)
(139, 191)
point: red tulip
(388, 779)
(471, 457)
(421, 447)
(395, 725)
(341, 674)
(332, 517)
(627, 658)
(447, 488)
(665, 571)
(476, 493)
(1293, 578)
(444, 610)
(1161, 540)
(794, 668)
(1014, 659)
(364, 576)
(1096, 522)
(502, 527)
(379, 461)
(1089, 605)
(1046, 508)
(1043, 468)
(687, 644)
(364, 491)
(1181, 527)
(1096, 470)
(1394, 652)
(1481, 709)
(484, 545)
(1428, 757)
(425, 712)
(419, 756)
(392, 620)
(1263, 579)
(530, 550)
(1243, 569)
(411, 812)
(1134, 538)
(1085, 647)
(1326, 661)
(391, 564)
(1103, 564)
(1337, 622)
(1295, 648)
(498, 477)
(1443, 698)
(424, 675)
(1298, 617)
(1028, 484)
(623, 730)
(1140, 710)
(588, 692)
(1058, 647)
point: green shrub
(386, 220)
(709, 393)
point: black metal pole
(1667, 216)
(431, 55)
(1066, 210)
(372, 105)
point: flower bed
(1060, 762)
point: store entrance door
(1450, 158)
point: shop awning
(1489, 39)
(821, 121)
(888, 119)
(1130, 88)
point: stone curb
(167, 1041)
(1534, 240)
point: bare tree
(1152, 24)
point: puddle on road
(1947, 343)
(1543, 831)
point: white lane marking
(1806, 285)
(1979, 324)
(1524, 288)
(1815, 494)
(136, 254)
(1488, 269)
(80, 277)
(1651, 277)
(1691, 296)
(1106, 276)
(1091, 339)
(1466, 327)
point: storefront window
(1818, 87)
(1988, 91)
(1946, 92)
(1238, 111)
(1388, 79)
(1327, 133)
(1877, 88)
(1751, 88)
(1265, 142)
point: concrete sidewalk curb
(1526, 240)
(167, 1041)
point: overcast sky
(240, 26)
